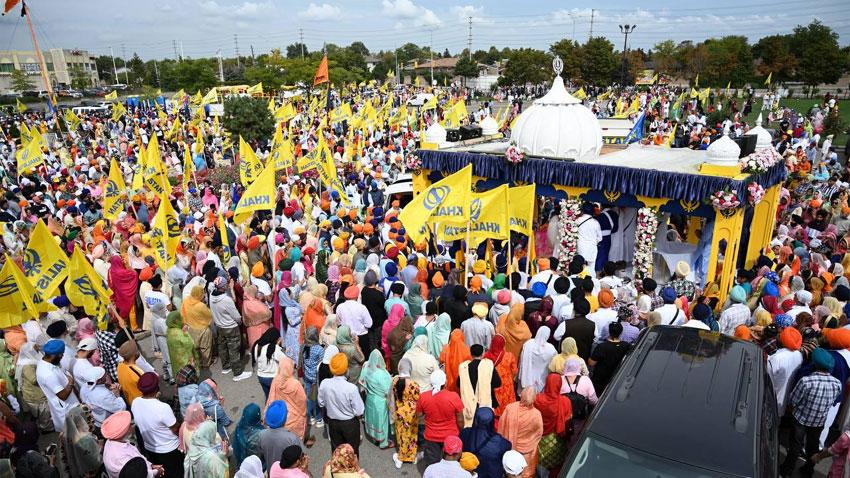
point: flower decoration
(568, 233)
(514, 154)
(760, 161)
(756, 193)
(647, 226)
(724, 200)
(413, 163)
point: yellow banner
(447, 199)
(85, 288)
(521, 209)
(488, 218)
(155, 177)
(282, 154)
(250, 165)
(29, 156)
(115, 188)
(45, 265)
(258, 196)
(165, 235)
(321, 159)
(16, 296)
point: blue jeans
(312, 405)
(266, 383)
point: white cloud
(324, 11)
(407, 10)
(240, 10)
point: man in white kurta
(55, 383)
(589, 236)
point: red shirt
(440, 414)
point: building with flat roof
(61, 64)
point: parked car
(685, 402)
(401, 189)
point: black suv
(685, 403)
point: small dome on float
(723, 152)
(435, 134)
(763, 137)
(558, 125)
(489, 126)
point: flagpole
(42, 65)
(510, 262)
(466, 255)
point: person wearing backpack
(581, 392)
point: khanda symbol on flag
(8, 286)
(435, 197)
(31, 263)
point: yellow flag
(139, 175)
(118, 111)
(45, 265)
(769, 77)
(26, 134)
(16, 296)
(111, 96)
(580, 94)
(21, 107)
(163, 118)
(165, 234)
(249, 164)
(175, 128)
(258, 196)
(654, 79)
(256, 89)
(321, 159)
(115, 187)
(669, 141)
(155, 176)
(225, 242)
(696, 81)
(488, 218)
(271, 104)
(282, 154)
(430, 104)
(72, 119)
(29, 156)
(197, 98)
(188, 167)
(521, 209)
(85, 288)
(447, 200)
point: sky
(205, 27)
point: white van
(89, 109)
(401, 189)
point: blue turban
(54, 347)
(772, 277)
(538, 289)
(276, 414)
(770, 289)
(61, 301)
(391, 269)
(823, 359)
(668, 294)
(783, 320)
(295, 254)
(738, 295)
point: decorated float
(729, 199)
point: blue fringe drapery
(643, 182)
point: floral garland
(756, 193)
(514, 154)
(760, 161)
(413, 163)
(568, 235)
(647, 226)
(724, 200)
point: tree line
(810, 55)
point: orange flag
(321, 72)
(10, 4)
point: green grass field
(802, 105)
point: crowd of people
(352, 331)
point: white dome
(435, 134)
(763, 137)
(558, 126)
(489, 126)
(723, 152)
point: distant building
(488, 75)
(371, 62)
(60, 63)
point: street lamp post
(625, 30)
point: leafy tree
(104, 68)
(776, 57)
(570, 53)
(465, 67)
(296, 50)
(271, 77)
(79, 78)
(20, 81)
(635, 64)
(138, 72)
(446, 53)
(359, 48)
(379, 72)
(248, 117)
(599, 62)
(190, 75)
(664, 57)
(693, 59)
(820, 58)
(526, 65)
(728, 59)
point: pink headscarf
(209, 198)
(395, 316)
(200, 260)
(194, 416)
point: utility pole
(220, 66)
(573, 36)
(236, 47)
(174, 44)
(625, 30)
(252, 55)
(156, 72)
(181, 50)
(126, 70)
(469, 40)
(301, 41)
(592, 14)
(114, 69)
